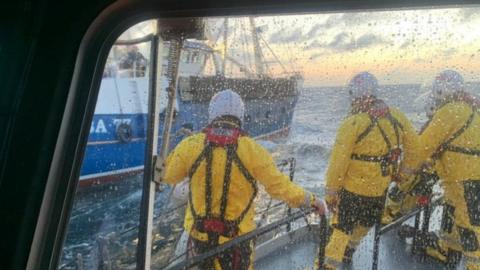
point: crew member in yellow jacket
(365, 157)
(452, 139)
(224, 166)
(403, 198)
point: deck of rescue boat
(297, 250)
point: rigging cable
(246, 53)
(233, 38)
(274, 55)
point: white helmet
(446, 83)
(226, 102)
(364, 84)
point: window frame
(59, 194)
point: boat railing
(422, 218)
(190, 262)
(114, 69)
(203, 88)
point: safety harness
(377, 110)
(226, 137)
(447, 144)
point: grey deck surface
(394, 255)
(297, 250)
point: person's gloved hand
(331, 198)
(318, 204)
(180, 192)
(404, 175)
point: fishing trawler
(118, 131)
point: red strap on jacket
(374, 107)
(423, 200)
(219, 136)
(214, 225)
(378, 109)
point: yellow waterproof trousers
(446, 249)
(464, 233)
(458, 233)
(356, 215)
(240, 257)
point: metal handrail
(379, 231)
(399, 221)
(236, 241)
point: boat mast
(256, 48)
(225, 44)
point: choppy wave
(311, 161)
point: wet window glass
(285, 142)
(107, 203)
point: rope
(274, 55)
(246, 49)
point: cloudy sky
(406, 46)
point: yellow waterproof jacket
(257, 161)
(447, 120)
(362, 177)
